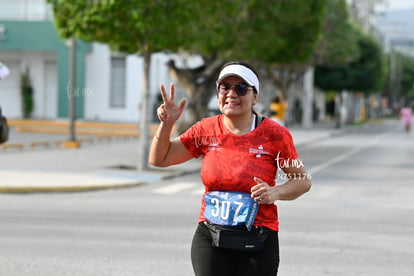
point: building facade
(107, 84)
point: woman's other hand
(263, 193)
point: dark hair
(276, 99)
(245, 64)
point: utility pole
(71, 93)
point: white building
(108, 85)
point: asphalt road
(356, 220)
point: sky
(399, 24)
(400, 4)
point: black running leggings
(208, 260)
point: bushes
(26, 90)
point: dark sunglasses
(240, 88)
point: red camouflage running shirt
(230, 162)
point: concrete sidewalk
(105, 165)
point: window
(36, 10)
(118, 79)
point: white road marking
(175, 188)
(346, 155)
(325, 192)
(198, 191)
(335, 160)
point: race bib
(230, 208)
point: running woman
(237, 232)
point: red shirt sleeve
(201, 135)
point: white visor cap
(240, 71)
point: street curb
(62, 189)
(85, 188)
(180, 173)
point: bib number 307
(230, 208)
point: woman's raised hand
(168, 111)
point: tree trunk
(199, 84)
(339, 109)
(308, 98)
(284, 75)
(144, 126)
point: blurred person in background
(277, 109)
(406, 118)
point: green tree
(133, 27)
(26, 89)
(338, 44)
(407, 79)
(283, 36)
(260, 31)
(367, 72)
(363, 74)
(213, 34)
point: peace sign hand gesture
(169, 112)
